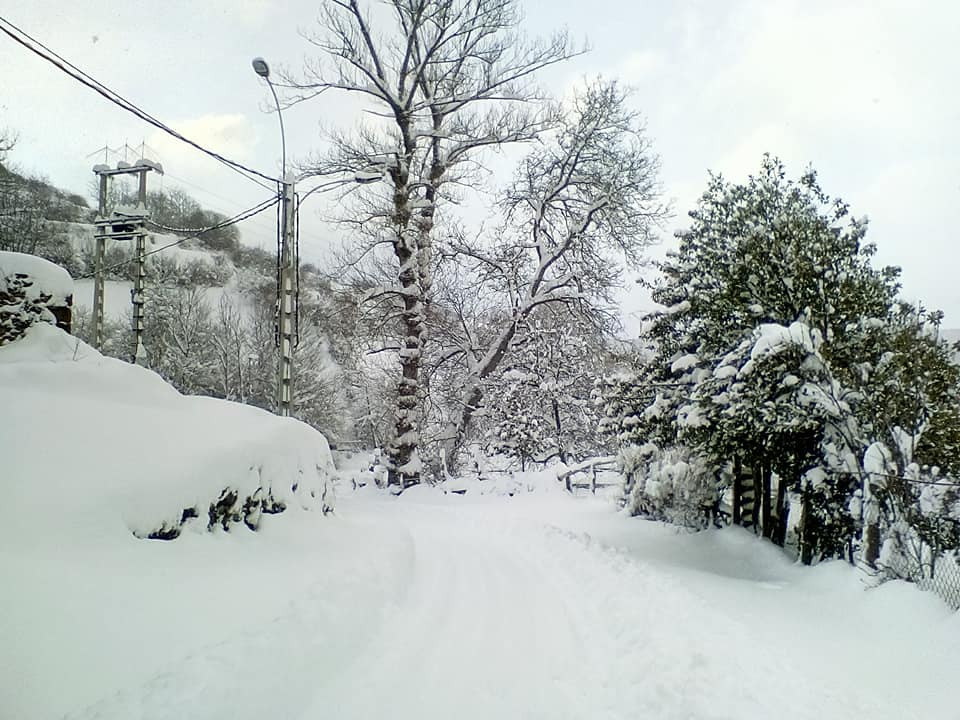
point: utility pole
(101, 242)
(136, 295)
(285, 320)
(289, 262)
(122, 223)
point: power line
(255, 210)
(64, 65)
(264, 228)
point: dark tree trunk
(556, 422)
(871, 544)
(757, 476)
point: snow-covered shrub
(674, 484)
(29, 288)
(540, 401)
(18, 309)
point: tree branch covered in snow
(445, 80)
(583, 204)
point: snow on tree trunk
(450, 78)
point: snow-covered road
(438, 607)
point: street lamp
(288, 259)
(261, 68)
(288, 263)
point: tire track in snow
(479, 636)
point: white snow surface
(424, 606)
(434, 606)
(48, 278)
(94, 445)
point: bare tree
(446, 79)
(8, 139)
(582, 206)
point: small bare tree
(446, 79)
(8, 139)
(582, 206)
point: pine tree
(772, 351)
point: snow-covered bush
(540, 401)
(18, 309)
(674, 484)
(29, 288)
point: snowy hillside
(212, 271)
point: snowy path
(443, 609)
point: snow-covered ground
(434, 606)
(425, 606)
(116, 298)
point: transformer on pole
(122, 223)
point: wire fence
(945, 579)
(931, 568)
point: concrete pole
(98, 267)
(136, 295)
(288, 264)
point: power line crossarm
(256, 210)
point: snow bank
(93, 445)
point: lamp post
(288, 263)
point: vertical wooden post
(737, 491)
(782, 514)
(766, 493)
(806, 546)
(285, 319)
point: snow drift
(95, 445)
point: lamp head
(261, 68)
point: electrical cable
(84, 78)
(296, 255)
(255, 210)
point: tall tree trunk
(756, 469)
(405, 465)
(411, 246)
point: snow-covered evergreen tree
(772, 351)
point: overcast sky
(866, 92)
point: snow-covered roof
(48, 278)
